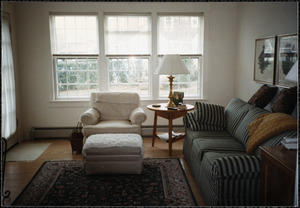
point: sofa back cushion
(115, 105)
(242, 133)
(235, 111)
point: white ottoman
(113, 154)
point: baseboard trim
(64, 132)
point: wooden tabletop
(164, 108)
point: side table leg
(154, 128)
(170, 136)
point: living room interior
(229, 32)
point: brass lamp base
(171, 103)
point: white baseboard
(64, 132)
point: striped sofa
(215, 149)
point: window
(128, 50)
(75, 54)
(182, 35)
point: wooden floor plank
(19, 174)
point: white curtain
(9, 121)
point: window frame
(128, 55)
(153, 57)
(200, 82)
(56, 56)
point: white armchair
(113, 112)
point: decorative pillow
(191, 121)
(209, 117)
(263, 96)
(285, 101)
(266, 126)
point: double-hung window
(183, 35)
(74, 41)
(128, 51)
(127, 48)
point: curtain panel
(9, 121)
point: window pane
(74, 34)
(127, 35)
(76, 77)
(129, 74)
(179, 35)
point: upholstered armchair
(113, 112)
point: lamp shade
(171, 65)
(293, 73)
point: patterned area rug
(64, 183)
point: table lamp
(171, 65)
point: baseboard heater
(50, 132)
(64, 132)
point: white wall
(35, 62)
(257, 20)
(230, 32)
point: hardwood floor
(19, 174)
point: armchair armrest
(90, 117)
(137, 116)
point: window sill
(86, 103)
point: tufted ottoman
(113, 153)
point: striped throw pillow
(207, 117)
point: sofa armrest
(90, 117)
(137, 116)
(236, 167)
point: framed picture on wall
(287, 57)
(264, 62)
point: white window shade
(74, 34)
(180, 35)
(126, 35)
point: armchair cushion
(115, 105)
(111, 126)
(137, 116)
(90, 117)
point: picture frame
(287, 55)
(264, 61)
(178, 97)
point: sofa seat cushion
(192, 136)
(217, 144)
(116, 126)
